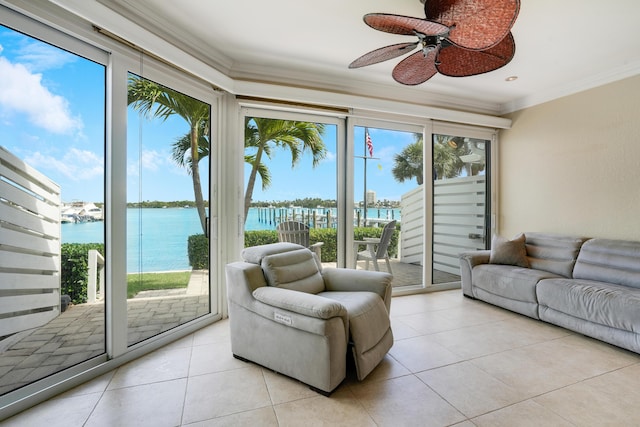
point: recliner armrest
(300, 302)
(349, 280)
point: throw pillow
(509, 252)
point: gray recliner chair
(288, 314)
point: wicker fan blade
(383, 54)
(455, 61)
(397, 24)
(416, 68)
(475, 24)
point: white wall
(573, 165)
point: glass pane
(167, 207)
(460, 202)
(290, 175)
(52, 111)
(388, 167)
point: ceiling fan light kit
(458, 38)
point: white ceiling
(562, 47)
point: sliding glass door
(461, 188)
(52, 205)
(168, 152)
(388, 193)
(105, 243)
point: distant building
(371, 197)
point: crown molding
(376, 105)
(163, 28)
(629, 70)
(332, 81)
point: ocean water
(157, 238)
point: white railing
(29, 246)
(95, 285)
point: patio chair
(298, 233)
(377, 248)
(289, 314)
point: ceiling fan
(458, 38)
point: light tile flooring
(455, 361)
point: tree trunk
(195, 176)
(252, 181)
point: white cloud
(329, 158)
(22, 91)
(151, 160)
(78, 165)
(38, 56)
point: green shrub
(260, 237)
(198, 251)
(74, 256)
(198, 244)
(330, 238)
(74, 269)
(327, 235)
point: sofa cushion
(612, 261)
(509, 252)
(509, 281)
(603, 303)
(295, 270)
(555, 253)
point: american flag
(369, 143)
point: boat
(78, 212)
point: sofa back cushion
(296, 270)
(612, 261)
(554, 253)
(255, 254)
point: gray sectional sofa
(590, 286)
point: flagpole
(366, 131)
(365, 158)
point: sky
(51, 113)
(52, 108)
(305, 181)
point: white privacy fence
(29, 246)
(459, 206)
(412, 230)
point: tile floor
(455, 361)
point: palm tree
(266, 135)
(409, 163)
(446, 160)
(161, 102)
